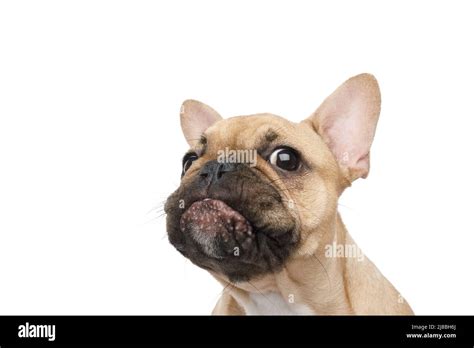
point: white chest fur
(273, 304)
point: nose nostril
(213, 170)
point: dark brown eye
(285, 158)
(188, 160)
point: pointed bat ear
(346, 121)
(196, 117)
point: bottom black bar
(313, 330)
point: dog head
(257, 190)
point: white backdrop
(90, 144)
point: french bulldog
(257, 207)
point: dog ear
(346, 121)
(196, 117)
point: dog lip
(213, 217)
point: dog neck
(318, 283)
(309, 283)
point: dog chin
(220, 239)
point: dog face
(242, 216)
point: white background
(90, 144)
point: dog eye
(285, 158)
(188, 160)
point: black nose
(214, 170)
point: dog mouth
(237, 226)
(217, 228)
(212, 217)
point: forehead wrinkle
(270, 136)
(202, 140)
(266, 133)
(245, 132)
